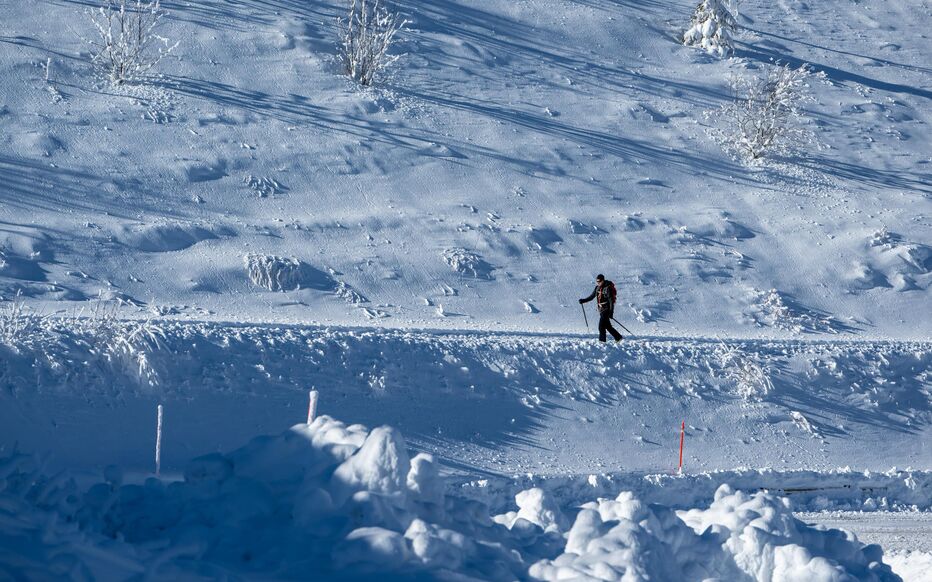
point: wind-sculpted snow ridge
(330, 501)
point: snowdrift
(336, 501)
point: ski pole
(623, 326)
(585, 318)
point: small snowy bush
(130, 349)
(18, 323)
(750, 378)
(127, 45)
(766, 116)
(365, 37)
(711, 28)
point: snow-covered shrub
(129, 349)
(101, 324)
(272, 272)
(750, 378)
(127, 45)
(365, 37)
(711, 28)
(289, 274)
(18, 322)
(766, 116)
(777, 310)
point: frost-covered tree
(711, 27)
(126, 45)
(365, 37)
(767, 113)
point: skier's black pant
(605, 324)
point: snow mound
(330, 501)
(740, 537)
(778, 310)
(169, 236)
(535, 506)
(467, 263)
(912, 566)
(839, 489)
(904, 265)
(276, 273)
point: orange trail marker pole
(682, 438)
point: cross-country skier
(605, 296)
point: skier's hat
(600, 277)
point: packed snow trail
(86, 391)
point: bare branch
(126, 46)
(766, 115)
(366, 35)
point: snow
(912, 566)
(245, 223)
(535, 506)
(513, 153)
(505, 403)
(739, 536)
(905, 536)
(315, 501)
(480, 419)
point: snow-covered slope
(517, 149)
(415, 251)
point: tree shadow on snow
(34, 185)
(794, 391)
(857, 173)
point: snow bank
(740, 537)
(912, 566)
(488, 401)
(840, 489)
(328, 500)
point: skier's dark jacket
(604, 295)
